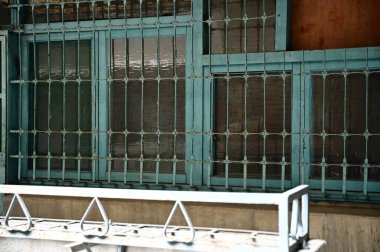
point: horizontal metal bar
(130, 23)
(373, 186)
(159, 195)
(296, 192)
(137, 235)
(354, 54)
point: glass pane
(36, 10)
(234, 35)
(150, 105)
(5, 18)
(346, 106)
(257, 106)
(62, 108)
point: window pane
(62, 108)
(234, 35)
(4, 13)
(152, 105)
(70, 11)
(259, 106)
(349, 106)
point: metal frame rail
(189, 238)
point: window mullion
(103, 106)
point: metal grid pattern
(186, 95)
(346, 126)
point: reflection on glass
(143, 102)
(338, 108)
(61, 106)
(233, 116)
(236, 36)
(84, 10)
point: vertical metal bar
(245, 19)
(126, 94)
(227, 133)
(294, 221)
(19, 161)
(158, 78)
(34, 95)
(174, 165)
(63, 93)
(264, 19)
(283, 160)
(345, 133)
(283, 224)
(296, 142)
(142, 97)
(305, 214)
(211, 92)
(109, 86)
(265, 133)
(323, 175)
(303, 120)
(79, 80)
(189, 132)
(366, 133)
(49, 93)
(94, 85)
(192, 79)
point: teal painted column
(297, 108)
(3, 78)
(194, 102)
(283, 20)
(103, 106)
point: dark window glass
(4, 13)
(70, 11)
(148, 105)
(257, 105)
(62, 109)
(339, 107)
(238, 36)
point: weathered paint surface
(345, 227)
(325, 24)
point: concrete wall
(345, 227)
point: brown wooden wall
(325, 24)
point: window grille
(156, 108)
(345, 127)
(41, 11)
(195, 95)
(60, 98)
(242, 26)
(252, 121)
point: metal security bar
(195, 95)
(169, 236)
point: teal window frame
(231, 68)
(349, 60)
(200, 69)
(302, 65)
(25, 118)
(100, 41)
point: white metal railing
(298, 231)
